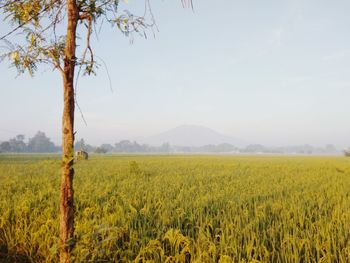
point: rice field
(180, 209)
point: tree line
(40, 143)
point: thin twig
(108, 75)
(88, 47)
(80, 111)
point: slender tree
(45, 32)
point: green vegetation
(180, 209)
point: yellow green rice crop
(180, 209)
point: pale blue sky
(271, 72)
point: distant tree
(223, 147)
(307, 149)
(123, 146)
(89, 148)
(41, 143)
(128, 146)
(107, 147)
(48, 35)
(254, 148)
(20, 137)
(165, 148)
(101, 150)
(5, 147)
(17, 144)
(80, 145)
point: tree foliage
(38, 36)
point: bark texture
(67, 192)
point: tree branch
(24, 23)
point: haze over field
(191, 135)
(182, 139)
(272, 72)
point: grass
(180, 209)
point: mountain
(191, 135)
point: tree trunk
(67, 193)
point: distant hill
(191, 135)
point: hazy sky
(270, 72)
